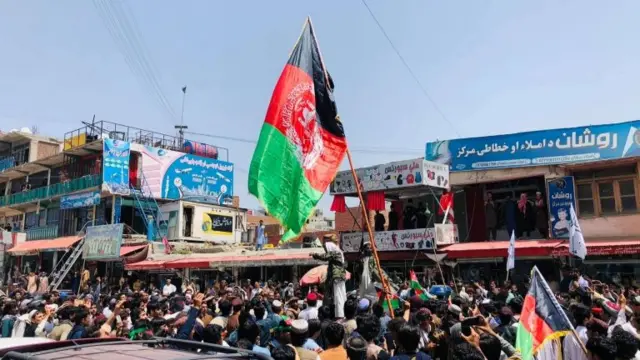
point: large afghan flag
(542, 319)
(302, 141)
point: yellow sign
(75, 141)
(217, 224)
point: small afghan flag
(395, 301)
(302, 142)
(542, 319)
(417, 288)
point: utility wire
(406, 65)
(122, 28)
(371, 150)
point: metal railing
(46, 192)
(42, 232)
(106, 129)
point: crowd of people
(287, 322)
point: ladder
(148, 206)
(64, 265)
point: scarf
(522, 203)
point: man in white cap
(335, 287)
(299, 335)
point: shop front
(529, 184)
(410, 208)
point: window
(609, 191)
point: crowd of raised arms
(478, 321)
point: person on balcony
(260, 237)
(379, 221)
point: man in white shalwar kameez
(335, 288)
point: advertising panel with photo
(175, 175)
(103, 242)
(115, 166)
(395, 175)
(560, 199)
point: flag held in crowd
(511, 259)
(577, 246)
(542, 321)
(302, 142)
(417, 288)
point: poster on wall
(80, 200)
(537, 148)
(446, 234)
(103, 242)
(175, 175)
(397, 240)
(560, 197)
(398, 174)
(217, 224)
(115, 166)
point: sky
(491, 67)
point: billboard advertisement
(561, 196)
(538, 148)
(398, 174)
(176, 175)
(80, 200)
(103, 242)
(115, 166)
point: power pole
(182, 127)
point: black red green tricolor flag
(542, 319)
(302, 142)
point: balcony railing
(50, 191)
(42, 232)
(106, 129)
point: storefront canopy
(57, 244)
(604, 248)
(276, 258)
(493, 249)
(127, 250)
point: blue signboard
(537, 148)
(561, 196)
(117, 209)
(115, 166)
(84, 199)
(103, 242)
(197, 178)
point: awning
(126, 250)
(603, 248)
(57, 244)
(188, 263)
(490, 249)
(146, 265)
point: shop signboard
(396, 240)
(395, 175)
(103, 242)
(176, 175)
(117, 209)
(115, 166)
(80, 200)
(446, 234)
(561, 196)
(538, 148)
(214, 223)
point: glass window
(53, 216)
(607, 198)
(585, 199)
(628, 196)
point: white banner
(399, 174)
(398, 240)
(446, 234)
